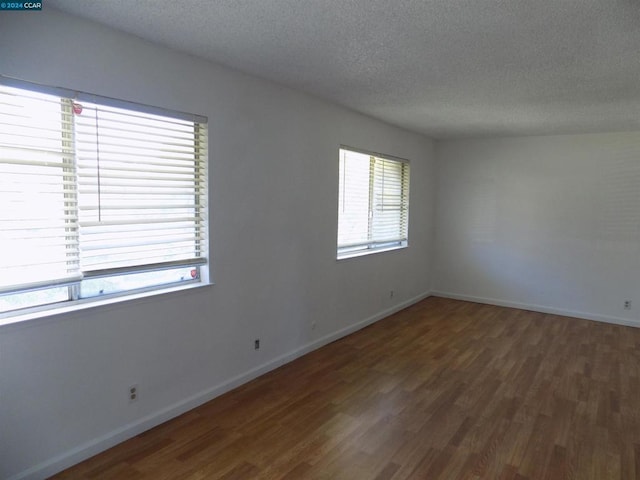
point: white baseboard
(540, 308)
(57, 464)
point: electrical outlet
(391, 293)
(627, 304)
(256, 344)
(133, 393)
(313, 325)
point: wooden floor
(442, 390)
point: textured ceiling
(446, 68)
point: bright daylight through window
(373, 203)
(97, 197)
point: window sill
(364, 253)
(47, 311)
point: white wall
(273, 197)
(549, 223)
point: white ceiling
(446, 68)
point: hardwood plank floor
(442, 390)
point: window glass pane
(353, 218)
(94, 287)
(17, 301)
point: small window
(373, 203)
(98, 197)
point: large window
(373, 204)
(97, 197)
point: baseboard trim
(57, 464)
(539, 308)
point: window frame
(373, 245)
(73, 300)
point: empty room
(294, 239)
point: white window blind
(373, 206)
(38, 212)
(141, 190)
(96, 198)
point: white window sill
(45, 311)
